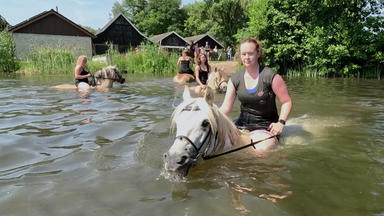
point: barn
(169, 40)
(51, 29)
(201, 39)
(121, 33)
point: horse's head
(110, 73)
(195, 126)
(218, 80)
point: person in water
(257, 87)
(202, 72)
(81, 74)
(185, 73)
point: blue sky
(92, 13)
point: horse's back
(64, 86)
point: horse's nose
(165, 155)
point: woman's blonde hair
(258, 45)
(80, 59)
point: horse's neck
(105, 84)
(233, 137)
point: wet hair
(258, 45)
(80, 59)
(184, 52)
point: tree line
(328, 37)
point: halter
(101, 77)
(194, 145)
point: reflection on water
(61, 154)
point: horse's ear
(209, 96)
(186, 93)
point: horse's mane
(109, 72)
(219, 122)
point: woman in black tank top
(185, 73)
(202, 71)
(256, 88)
(82, 74)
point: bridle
(113, 79)
(209, 134)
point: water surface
(61, 154)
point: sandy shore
(229, 67)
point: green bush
(94, 66)
(149, 59)
(8, 61)
(49, 60)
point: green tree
(198, 19)
(222, 19)
(162, 16)
(153, 16)
(332, 37)
(132, 9)
(3, 23)
(257, 20)
(229, 17)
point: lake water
(61, 154)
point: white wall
(25, 43)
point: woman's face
(248, 54)
(203, 59)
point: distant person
(215, 54)
(81, 74)
(185, 73)
(229, 53)
(202, 72)
(207, 50)
(196, 51)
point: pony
(102, 80)
(218, 80)
(203, 131)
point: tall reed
(51, 60)
(8, 61)
(149, 59)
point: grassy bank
(148, 60)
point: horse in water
(218, 80)
(102, 80)
(203, 131)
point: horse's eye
(205, 123)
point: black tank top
(184, 67)
(203, 75)
(259, 106)
(83, 72)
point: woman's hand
(276, 128)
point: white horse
(102, 80)
(218, 80)
(203, 131)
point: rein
(237, 149)
(224, 153)
(116, 80)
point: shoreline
(229, 67)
